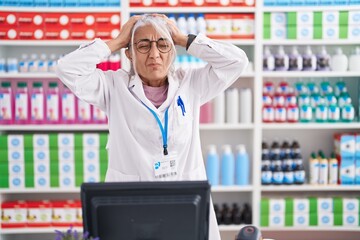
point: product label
(68, 107)
(299, 176)
(13, 215)
(52, 107)
(64, 215)
(99, 115)
(5, 106)
(37, 106)
(39, 215)
(84, 111)
(21, 106)
(266, 177)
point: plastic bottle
(333, 113)
(275, 148)
(285, 148)
(37, 103)
(83, 112)
(2, 65)
(295, 148)
(268, 60)
(98, 115)
(309, 60)
(232, 105)
(212, 166)
(22, 106)
(6, 104)
(247, 214)
(321, 113)
(191, 24)
(323, 60)
(324, 169)
(201, 24)
(295, 60)
(278, 175)
(339, 61)
(266, 173)
(281, 60)
(68, 107)
(347, 113)
(276, 162)
(340, 87)
(182, 24)
(52, 63)
(333, 170)
(227, 166)
(206, 113)
(43, 63)
(288, 173)
(23, 63)
(172, 18)
(219, 108)
(245, 105)
(265, 148)
(12, 65)
(34, 63)
(354, 61)
(52, 103)
(299, 170)
(242, 166)
(314, 169)
(305, 113)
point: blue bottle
(227, 166)
(212, 166)
(241, 166)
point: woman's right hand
(124, 37)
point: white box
(67, 181)
(325, 205)
(277, 220)
(91, 140)
(41, 141)
(42, 181)
(330, 18)
(66, 154)
(16, 155)
(41, 168)
(278, 32)
(354, 32)
(40, 215)
(16, 169)
(330, 32)
(276, 206)
(16, 181)
(41, 155)
(91, 172)
(15, 141)
(325, 219)
(351, 219)
(350, 205)
(305, 32)
(354, 17)
(66, 168)
(301, 205)
(301, 219)
(91, 155)
(278, 19)
(305, 18)
(66, 140)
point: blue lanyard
(162, 129)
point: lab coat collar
(136, 87)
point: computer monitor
(146, 210)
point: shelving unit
(312, 136)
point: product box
(42, 181)
(30, 33)
(276, 206)
(354, 32)
(330, 18)
(304, 32)
(79, 219)
(107, 19)
(301, 220)
(15, 155)
(245, 3)
(8, 19)
(13, 214)
(325, 219)
(324, 205)
(350, 219)
(15, 141)
(41, 155)
(41, 141)
(278, 19)
(354, 17)
(243, 26)
(346, 171)
(330, 32)
(278, 32)
(39, 213)
(57, 33)
(218, 26)
(41, 168)
(277, 220)
(346, 205)
(301, 205)
(345, 145)
(16, 168)
(91, 140)
(305, 18)
(64, 213)
(30, 19)
(66, 140)
(91, 172)
(56, 19)
(107, 32)
(66, 154)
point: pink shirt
(156, 95)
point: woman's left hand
(178, 37)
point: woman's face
(152, 66)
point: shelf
(42, 43)
(217, 189)
(320, 229)
(213, 126)
(317, 126)
(55, 127)
(311, 188)
(97, 9)
(311, 42)
(36, 230)
(192, 9)
(230, 228)
(310, 8)
(28, 75)
(242, 42)
(306, 74)
(37, 190)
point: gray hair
(161, 27)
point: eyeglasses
(144, 45)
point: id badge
(165, 166)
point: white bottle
(172, 18)
(182, 24)
(232, 105)
(354, 61)
(34, 63)
(295, 60)
(339, 61)
(43, 63)
(2, 65)
(219, 109)
(201, 24)
(281, 60)
(12, 65)
(268, 60)
(52, 63)
(24, 63)
(191, 24)
(245, 105)
(309, 60)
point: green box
(313, 205)
(3, 142)
(4, 156)
(267, 33)
(313, 219)
(318, 32)
(103, 139)
(343, 18)
(264, 220)
(264, 206)
(338, 205)
(4, 181)
(343, 31)
(291, 32)
(338, 219)
(53, 140)
(289, 220)
(28, 142)
(267, 19)
(317, 19)
(291, 19)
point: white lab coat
(135, 140)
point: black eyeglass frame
(151, 41)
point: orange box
(13, 214)
(30, 19)
(8, 19)
(56, 19)
(63, 213)
(39, 213)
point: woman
(153, 110)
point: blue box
(26, 3)
(311, 2)
(100, 3)
(70, 3)
(11, 3)
(282, 2)
(56, 3)
(84, 3)
(269, 2)
(40, 3)
(114, 3)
